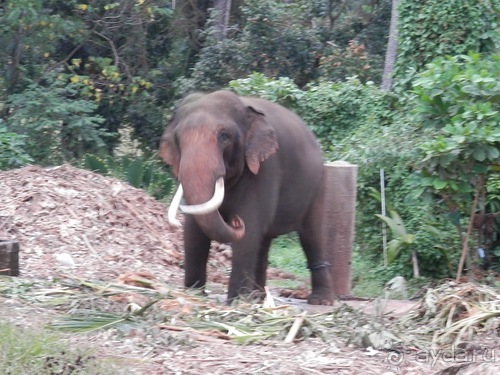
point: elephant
(249, 170)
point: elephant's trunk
(208, 217)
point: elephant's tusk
(209, 206)
(174, 207)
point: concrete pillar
(338, 224)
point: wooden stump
(9, 258)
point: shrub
(12, 153)
(58, 125)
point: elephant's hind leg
(320, 272)
(311, 240)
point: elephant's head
(209, 143)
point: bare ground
(74, 223)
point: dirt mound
(106, 227)
(95, 227)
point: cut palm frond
(455, 312)
(89, 321)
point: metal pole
(384, 213)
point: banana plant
(401, 240)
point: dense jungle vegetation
(93, 82)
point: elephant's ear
(261, 140)
(169, 151)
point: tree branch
(112, 45)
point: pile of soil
(104, 225)
(66, 218)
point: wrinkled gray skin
(273, 175)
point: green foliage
(392, 147)
(282, 90)
(108, 52)
(269, 43)
(29, 352)
(336, 64)
(56, 123)
(334, 111)
(30, 33)
(401, 238)
(12, 152)
(289, 39)
(147, 174)
(434, 28)
(458, 99)
(493, 191)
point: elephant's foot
(322, 297)
(253, 297)
(322, 292)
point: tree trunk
(392, 45)
(223, 9)
(465, 241)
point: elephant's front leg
(245, 270)
(196, 249)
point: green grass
(368, 278)
(365, 282)
(287, 255)
(27, 352)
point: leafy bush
(12, 152)
(282, 90)
(334, 111)
(391, 145)
(458, 99)
(58, 125)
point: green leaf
(395, 223)
(493, 153)
(393, 250)
(93, 163)
(479, 154)
(439, 184)
(134, 173)
(88, 321)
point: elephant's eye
(224, 136)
